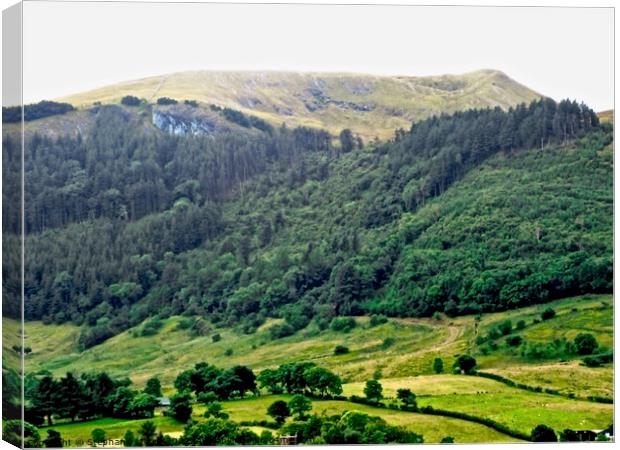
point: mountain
(130, 222)
(370, 105)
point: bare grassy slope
(370, 105)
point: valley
(446, 272)
(405, 362)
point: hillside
(468, 259)
(280, 224)
(399, 352)
(372, 106)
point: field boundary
(540, 389)
(443, 412)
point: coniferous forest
(128, 222)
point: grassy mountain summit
(370, 105)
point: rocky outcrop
(178, 124)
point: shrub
(388, 342)
(465, 363)
(45, 108)
(94, 336)
(547, 314)
(166, 101)
(299, 405)
(585, 344)
(281, 330)
(598, 360)
(216, 337)
(408, 399)
(180, 407)
(514, 341)
(342, 324)
(438, 365)
(200, 327)
(279, 410)
(447, 440)
(341, 350)
(130, 100)
(520, 324)
(373, 390)
(206, 397)
(505, 327)
(494, 333)
(228, 352)
(98, 435)
(185, 323)
(151, 327)
(192, 103)
(377, 319)
(54, 439)
(543, 433)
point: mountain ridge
(371, 105)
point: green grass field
(405, 363)
(77, 434)
(522, 411)
(518, 409)
(416, 343)
(433, 428)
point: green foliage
(45, 108)
(377, 319)
(438, 365)
(514, 341)
(297, 378)
(447, 440)
(12, 431)
(357, 428)
(542, 433)
(342, 324)
(347, 142)
(505, 327)
(585, 344)
(98, 435)
(258, 224)
(557, 349)
(299, 405)
(279, 410)
(373, 390)
(151, 327)
(153, 387)
(147, 433)
(215, 409)
(129, 439)
(166, 101)
(341, 350)
(408, 399)
(131, 100)
(598, 360)
(548, 314)
(466, 364)
(54, 439)
(180, 406)
(216, 431)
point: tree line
(125, 225)
(45, 108)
